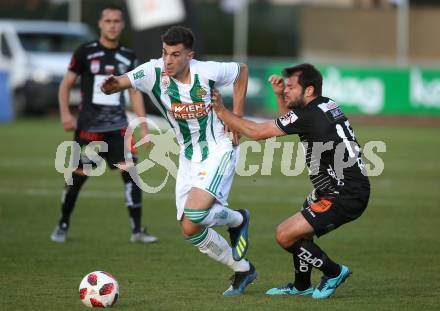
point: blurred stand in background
(377, 56)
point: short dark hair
(179, 34)
(308, 75)
(113, 7)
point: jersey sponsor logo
(303, 266)
(95, 55)
(288, 118)
(190, 111)
(139, 74)
(309, 258)
(95, 66)
(201, 92)
(109, 69)
(328, 106)
(321, 206)
(331, 110)
(202, 173)
(336, 113)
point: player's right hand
(68, 122)
(217, 101)
(277, 83)
(110, 85)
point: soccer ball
(99, 289)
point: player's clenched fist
(110, 85)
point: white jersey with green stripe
(187, 107)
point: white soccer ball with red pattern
(99, 289)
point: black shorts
(115, 144)
(326, 214)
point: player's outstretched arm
(114, 84)
(255, 131)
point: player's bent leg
(201, 209)
(189, 228)
(133, 201)
(297, 230)
(68, 200)
(289, 231)
(209, 242)
(217, 182)
(293, 229)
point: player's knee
(189, 229)
(284, 239)
(80, 172)
(196, 216)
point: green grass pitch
(393, 249)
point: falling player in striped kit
(182, 88)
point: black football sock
(309, 252)
(133, 200)
(303, 272)
(69, 197)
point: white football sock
(216, 247)
(220, 215)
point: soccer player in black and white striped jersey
(102, 118)
(337, 172)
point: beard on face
(297, 103)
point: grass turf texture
(393, 248)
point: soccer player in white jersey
(182, 88)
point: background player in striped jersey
(333, 157)
(101, 118)
(182, 89)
